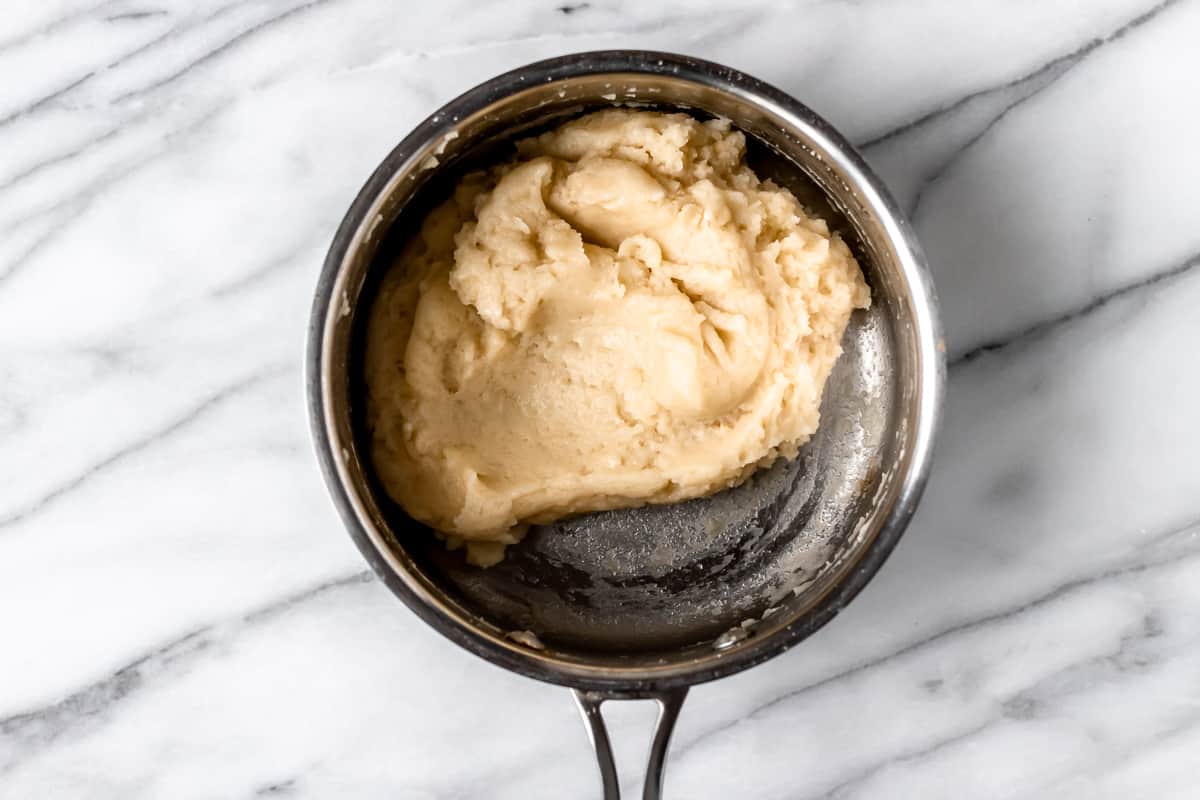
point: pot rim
(355, 227)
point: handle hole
(631, 730)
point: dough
(624, 314)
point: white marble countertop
(181, 613)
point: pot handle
(669, 703)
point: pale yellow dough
(625, 314)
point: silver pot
(644, 603)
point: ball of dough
(624, 314)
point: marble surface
(181, 613)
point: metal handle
(669, 703)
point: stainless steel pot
(644, 603)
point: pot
(644, 603)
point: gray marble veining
(182, 616)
